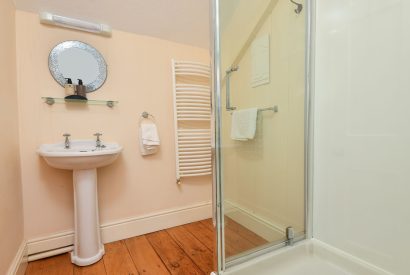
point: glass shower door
(260, 125)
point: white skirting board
(19, 264)
(42, 247)
(266, 229)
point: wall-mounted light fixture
(72, 23)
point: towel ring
(146, 115)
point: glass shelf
(53, 100)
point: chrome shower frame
(218, 216)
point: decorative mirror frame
(58, 76)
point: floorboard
(235, 243)
(203, 234)
(171, 254)
(196, 250)
(244, 232)
(95, 269)
(57, 265)
(186, 249)
(208, 224)
(117, 260)
(145, 258)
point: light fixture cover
(72, 23)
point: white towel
(244, 124)
(147, 150)
(149, 134)
(149, 138)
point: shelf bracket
(110, 104)
(50, 100)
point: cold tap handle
(67, 141)
(98, 145)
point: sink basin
(83, 157)
(82, 154)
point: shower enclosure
(260, 65)
(264, 195)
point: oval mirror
(77, 60)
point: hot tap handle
(98, 145)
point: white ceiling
(182, 21)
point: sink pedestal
(83, 157)
(88, 247)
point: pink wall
(139, 77)
(11, 208)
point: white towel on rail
(244, 124)
(148, 138)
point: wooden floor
(185, 249)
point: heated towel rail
(192, 119)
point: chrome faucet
(67, 141)
(98, 141)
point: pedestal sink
(83, 157)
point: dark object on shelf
(75, 97)
(80, 89)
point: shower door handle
(228, 87)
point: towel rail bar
(274, 109)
